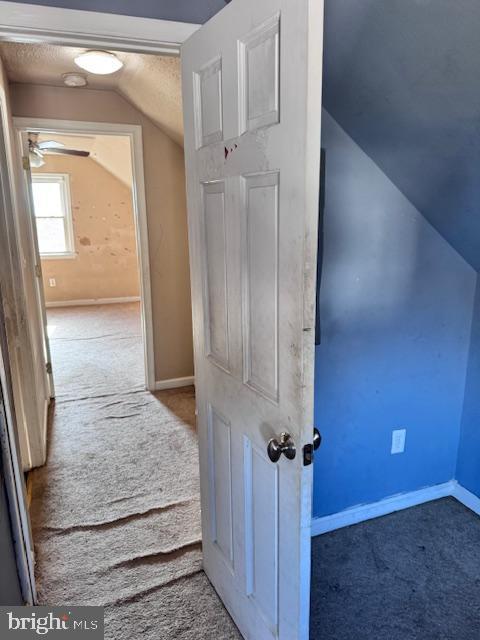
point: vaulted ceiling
(111, 152)
(402, 77)
(151, 83)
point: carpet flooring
(411, 575)
(116, 511)
(116, 516)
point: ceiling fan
(37, 150)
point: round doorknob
(317, 438)
(284, 445)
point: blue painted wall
(468, 464)
(402, 78)
(195, 11)
(396, 310)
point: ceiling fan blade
(68, 152)
(36, 151)
(50, 144)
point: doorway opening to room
(103, 220)
(84, 184)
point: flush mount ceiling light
(74, 79)
(99, 62)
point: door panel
(215, 269)
(208, 103)
(260, 291)
(259, 69)
(261, 532)
(220, 463)
(252, 105)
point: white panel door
(252, 105)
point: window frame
(64, 180)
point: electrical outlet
(52, 282)
(398, 440)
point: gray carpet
(410, 575)
(115, 511)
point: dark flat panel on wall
(196, 11)
(321, 210)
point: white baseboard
(466, 497)
(174, 383)
(91, 301)
(398, 502)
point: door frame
(10, 464)
(10, 460)
(134, 134)
(37, 24)
(76, 27)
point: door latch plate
(307, 455)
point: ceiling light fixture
(75, 79)
(99, 62)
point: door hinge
(38, 271)
(26, 162)
(48, 367)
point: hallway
(115, 511)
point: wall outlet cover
(52, 282)
(398, 440)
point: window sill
(57, 256)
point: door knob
(317, 438)
(286, 446)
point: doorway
(106, 486)
(86, 192)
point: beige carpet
(115, 511)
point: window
(53, 215)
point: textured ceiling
(403, 79)
(111, 152)
(151, 83)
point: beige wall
(105, 265)
(166, 210)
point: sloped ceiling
(403, 79)
(111, 152)
(151, 83)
